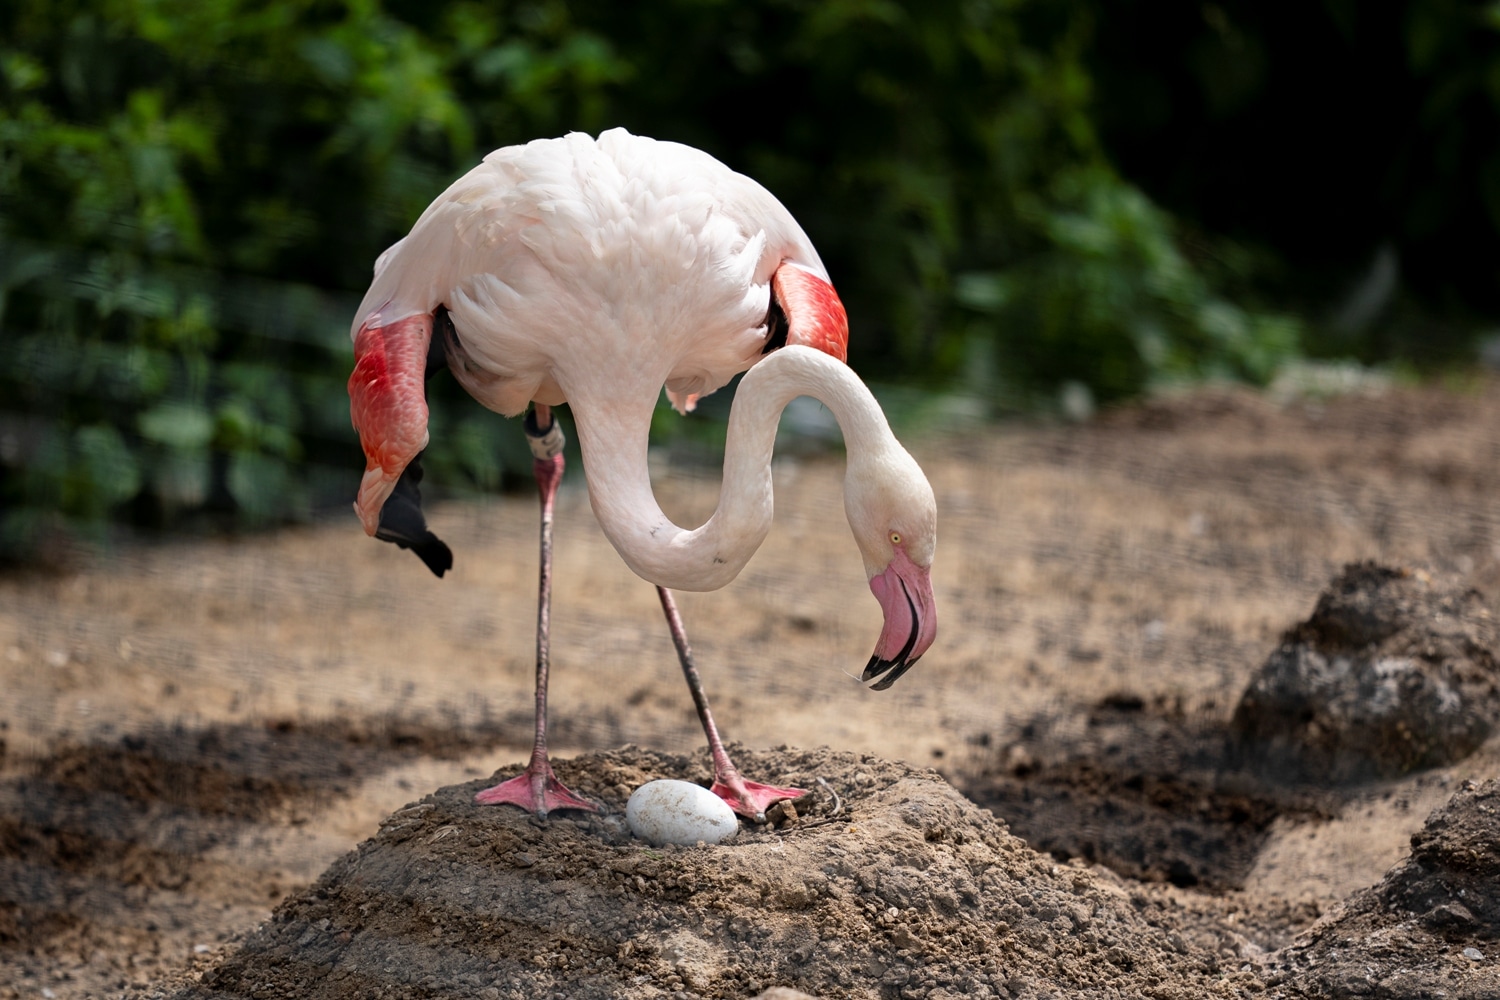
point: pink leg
(748, 798)
(537, 788)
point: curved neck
(614, 439)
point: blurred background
(1030, 206)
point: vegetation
(192, 193)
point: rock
(1394, 672)
(1442, 901)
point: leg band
(545, 444)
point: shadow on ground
(98, 831)
(1143, 789)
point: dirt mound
(888, 884)
(1429, 929)
(1394, 672)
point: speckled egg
(679, 812)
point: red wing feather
(815, 316)
(388, 404)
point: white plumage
(597, 272)
(650, 254)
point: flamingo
(597, 273)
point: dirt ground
(193, 733)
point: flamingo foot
(536, 790)
(750, 798)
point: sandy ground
(193, 732)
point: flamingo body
(597, 273)
(568, 262)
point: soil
(211, 748)
(1430, 924)
(888, 882)
(1395, 671)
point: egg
(679, 812)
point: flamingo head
(892, 512)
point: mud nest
(887, 884)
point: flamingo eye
(895, 538)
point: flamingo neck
(614, 441)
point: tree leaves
(192, 193)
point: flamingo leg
(748, 798)
(537, 788)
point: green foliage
(1113, 302)
(192, 193)
(1353, 139)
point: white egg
(679, 812)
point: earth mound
(1429, 929)
(1393, 672)
(885, 882)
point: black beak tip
(877, 666)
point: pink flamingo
(596, 272)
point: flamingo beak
(904, 591)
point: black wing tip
(428, 547)
(402, 522)
(433, 551)
(777, 327)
